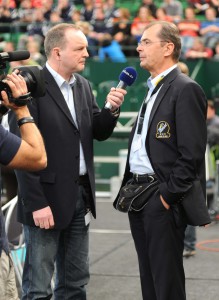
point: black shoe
(188, 253)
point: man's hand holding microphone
(116, 95)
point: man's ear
(57, 53)
(169, 48)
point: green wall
(206, 73)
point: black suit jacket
(176, 143)
(57, 185)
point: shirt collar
(152, 82)
(58, 78)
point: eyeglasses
(148, 43)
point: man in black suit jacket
(56, 205)
(168, 149)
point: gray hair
(169, 33)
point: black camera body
(32, 75)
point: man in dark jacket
(56, 205)
(167, 147)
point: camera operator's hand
(18, 88)
(31, 154)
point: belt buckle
(151, 178)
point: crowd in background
(112, 30)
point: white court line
(104, 201)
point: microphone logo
(126, 78)
(127, 73)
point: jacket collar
(169, 78)
(55, 93)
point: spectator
(47, 8)
(110, 49)
(183, 68)
(143, 18)
(189, 241)
(35, 55)
(210, 28)
(26, 62)
(200, 6)
(76, 16)
(188, 29)
(36, 3)
(10, 4)
(5, 17)
(121, 32)
(23, 15)
(215, 4)
(151, 5)
(54, 19)
(65, 9)
(35, 30)
(110, 12)
(199, 50)
(13, 64)
(110, 9)
(100, 25)
(162, 15)
(87, 10)
(93, 44)
(216, 52)
(174, 9)
(102, 18)
(8, 47)
(212, 125)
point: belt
(83, 179)
(143, 178)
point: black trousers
(158, 234)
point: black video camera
(32, 75)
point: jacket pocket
(194, 206)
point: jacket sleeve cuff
(170, 198)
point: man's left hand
(165, 204)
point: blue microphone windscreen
(128, 75)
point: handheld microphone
(126, 78)
(14, 56)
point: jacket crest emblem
(163, 130)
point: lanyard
(144, 106)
